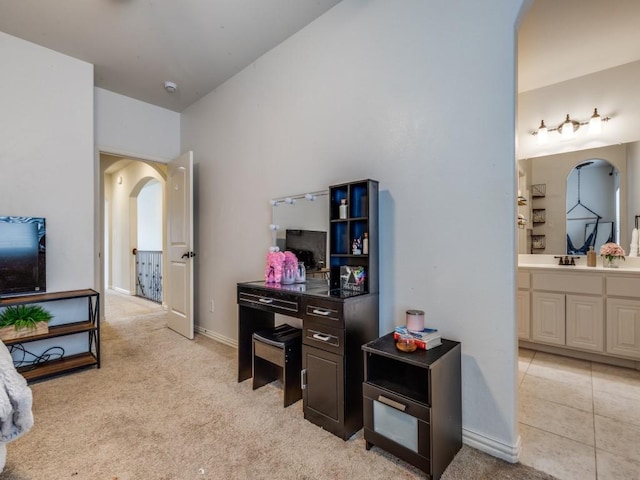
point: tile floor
(579, 419)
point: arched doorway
(134, 209)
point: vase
(288, 273)
(610, 262)
(301, 274)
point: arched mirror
(592, 206)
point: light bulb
(566, 130)
(543, 134)
(595, 123)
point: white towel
(633, 248)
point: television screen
(309, 247)
(22, 255)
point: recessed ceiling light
(170, 87)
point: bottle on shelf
(365, 244)
(591, 257)
(342, 211)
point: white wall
(150, 217)
(382, 90)
(134, 128)
(46, 153)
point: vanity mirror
(300, 223)
(592, 198)
(588, 200)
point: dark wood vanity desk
(335, 325)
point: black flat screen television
(309, 246)
(22, 255)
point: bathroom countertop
(550, 262)
(583, 268)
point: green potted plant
(23, 321)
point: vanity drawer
(626, 286)
(316, 334)
(270, 301)
(326, 312)
(570, 282)
(524, 280)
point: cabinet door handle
(303, 378)
(392, 403)
(321, 312)
(265, 300)
(322, 337)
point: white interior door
(179, 285)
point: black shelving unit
(362, 217)
(413, 403)
(89, 326)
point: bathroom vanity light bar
(569, 127)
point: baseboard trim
(122, 291)
(508, 453)
(216, 336)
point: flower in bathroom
(611, 250)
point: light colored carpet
(164, 407)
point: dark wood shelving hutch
(90, 326)
(362, 217)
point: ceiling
(564, 39)
(137, 45)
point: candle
(415, 320)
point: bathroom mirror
(610, 176)
(592, 205)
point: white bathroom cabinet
(581, 312)
(548, 317)
(623, 327)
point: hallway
(118, 305)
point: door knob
(188, 255)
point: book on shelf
(427, 339)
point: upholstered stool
(277, 354)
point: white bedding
(16, 417)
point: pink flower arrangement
(611, 251)
(273, 269)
